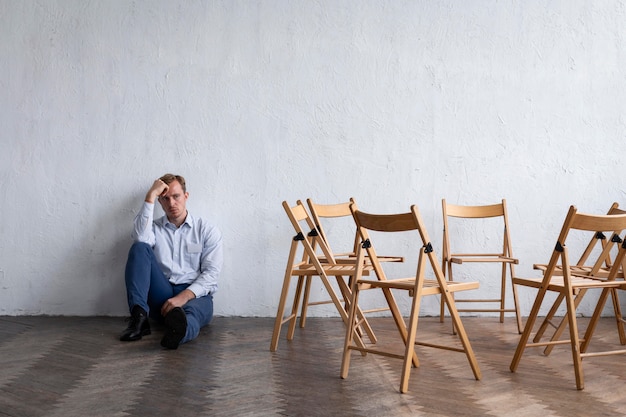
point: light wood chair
(416, 287)
(599, 269)
(310, 257)
(466, 216)
(560, 278)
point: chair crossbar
(606, 353)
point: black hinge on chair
(299, 236)
(600, 235)
(624, 244)
(559, 247)
(313, 233)
(366, 244)
(616, 238)
(428, 248)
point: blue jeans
(147, 287)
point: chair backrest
(613, 224)
(320, 212)
(307, 233)
(599, 236)
(475, 212)
(403, 222)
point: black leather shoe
(138, 325)
(175, 328)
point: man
(172, 268)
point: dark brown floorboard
(75, 366)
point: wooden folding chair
(599, 269)
(560, 277)
(416, 287)
(316, 260)
(467, 216)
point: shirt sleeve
(142, 225)
(210, 262)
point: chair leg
(279, 315)
(518, 314)
(443, 300)
(618, 317)
(305, 301)
(294, 309)
(409, 348)
(547, 320)
(280, 319)
(460, 330)
(574, 338)
(340, 308)
(442, 308)
(563, 323)
(345, 292)
(528, 328)
(350, 330)
(503, 292)
(593, 322)
(399, 320)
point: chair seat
(350, 259)
(581, 270)
(330, 269)
(557, 283)
(431, 286)
(482, 258)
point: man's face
(174, 201)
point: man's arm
(142, 230)
(158, 188)
(210, 262)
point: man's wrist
(189, 294)
(150, 198)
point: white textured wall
(391, 102)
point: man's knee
(138, 249)
(200, 309)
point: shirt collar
(189, 220)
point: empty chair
(561, 278)
(310, 257)
(499, 253)
(599, 269)
(416, 286)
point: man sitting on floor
(172, 268)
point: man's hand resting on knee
(177, 301)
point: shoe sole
(176, 327)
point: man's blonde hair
(170, 178)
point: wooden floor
(67, 366)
